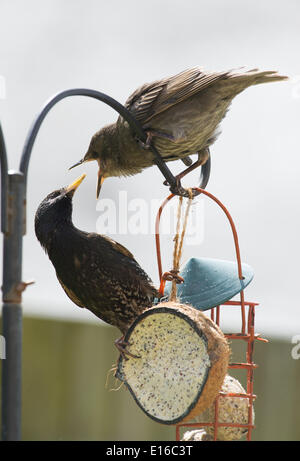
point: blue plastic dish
(210, 282)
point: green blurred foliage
(67, 396)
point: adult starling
(180, 115)
(95, 271)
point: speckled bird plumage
(181, 114)
(95, 271)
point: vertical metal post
(12, 312)
(13, 197)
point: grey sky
(114, 47)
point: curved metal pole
(135, 126)
(126, 114)
(13, 202)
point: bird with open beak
(181, 116)
(95, 271)
(100, 179)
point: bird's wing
(118, 247)
(153, 98)
(70, 293)
(121, 260)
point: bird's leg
(121, 346)
(177, 189)
(201, 160)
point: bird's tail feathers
(255, 76)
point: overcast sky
(116, 46)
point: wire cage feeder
(246, 333)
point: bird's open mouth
(99, 182)
(100, 175)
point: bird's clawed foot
(121, 346)
(177, 189)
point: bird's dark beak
(99, 182)
(77, 164)
(72, 187)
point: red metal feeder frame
(247, 332)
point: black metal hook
(13, 200)
(126, 114)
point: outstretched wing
(153, 98)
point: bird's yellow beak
(99, 182)
(75, 184)
(100, 175)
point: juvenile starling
(180, 115)
(95, 271)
